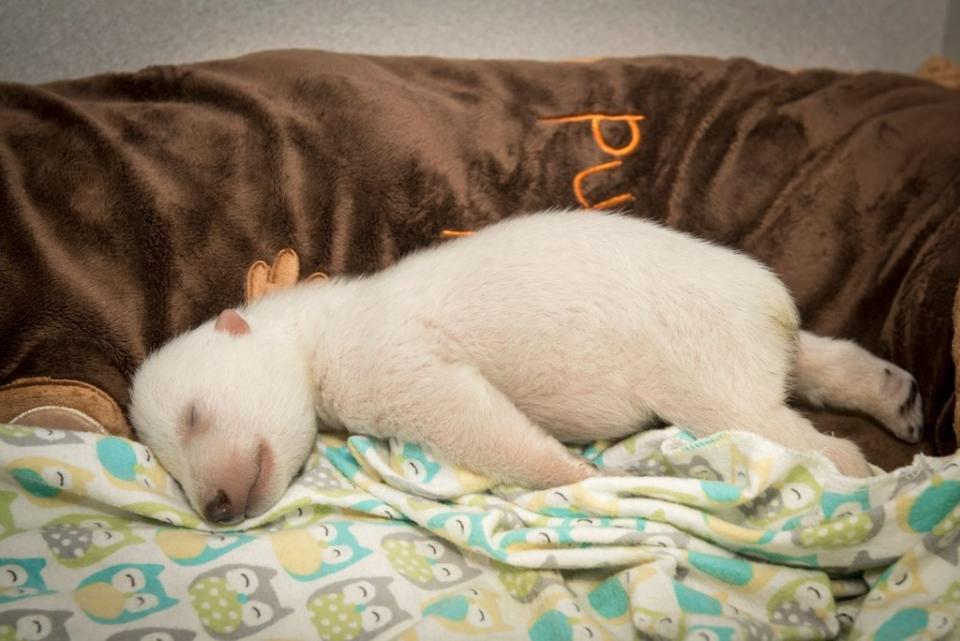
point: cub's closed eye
(191, 421)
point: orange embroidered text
(618, 153)
(596, 125)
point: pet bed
(136, 205)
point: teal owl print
(919, 624)
(935, 510)
(34, 625)
(49, 482)
(236, 601)
(416, 464)
(426, 561)
(610, 600)
(473, 611)
(355, 610)
(123, 593)
(79, 540)
(130, 466)
(693, 601)
(560, 618)
(335, 451)
(21, 578)
(316, 551)
(466, 528)
(834, 504)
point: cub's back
(578, 304)
(558, 266)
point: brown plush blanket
(132, 205)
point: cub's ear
(231, 322)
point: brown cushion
(956, 362)
(134, 204)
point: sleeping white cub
(557, 326)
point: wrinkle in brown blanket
(133, 204)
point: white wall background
(49, 39)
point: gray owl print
(153, 634)
(653, 465)
(946, 546)
(355, 609)
(677, 540)
(34, 625)
(698, 468)
(236, 601)
(324, 476)
(22, 436)
(805, 602)
(845, 531)
(426, 561)
(755, 630)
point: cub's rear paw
(900, 406)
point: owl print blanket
(729, 537)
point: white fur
(557, 326)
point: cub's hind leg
(796, 432)
(741, 384)
(778, 423)
(841, 374)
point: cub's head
(227, 409)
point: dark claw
(911, 398)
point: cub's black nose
(219, 510)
